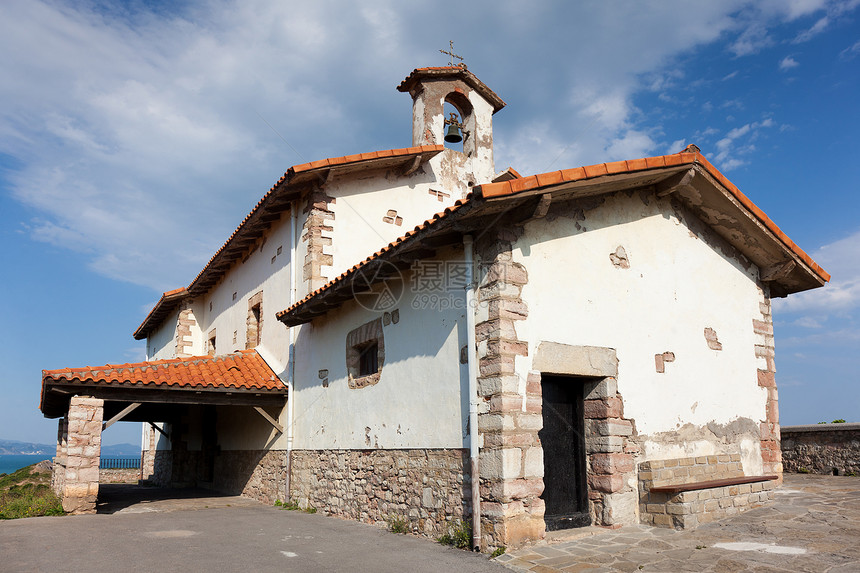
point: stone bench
(684, 492)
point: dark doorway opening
(563, 439)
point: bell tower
(475, 104)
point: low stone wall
(429, 489)
(131, 475)
(832, 449)
(162, 468)
(257, 474)
(688, 509)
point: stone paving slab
(812, 525)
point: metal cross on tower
(452, 55)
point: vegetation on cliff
(27, 493)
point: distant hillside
(121, 450)
(12, 447)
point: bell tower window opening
(451, 130)
(461, 123)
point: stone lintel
(557, 358)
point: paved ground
(154, 530)
(813, 525)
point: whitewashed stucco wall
(360, 205)
(676, 286)
(264, 270)
(161, 342)
(420, 400)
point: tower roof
(418, 75)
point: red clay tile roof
(242, 371)
(233, 247)
(514, 187)
(452, 71)
(690, 156)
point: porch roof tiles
(243, 371)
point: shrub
(460, 536)
(29, 500)
(397, 524)
(293, 506)
(26, 493)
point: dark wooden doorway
(563, 439)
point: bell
(453, 135)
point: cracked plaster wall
(679, 280)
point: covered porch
(183, 400)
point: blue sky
(134, 137)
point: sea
(11, 462)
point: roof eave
(294, 182)
(461, 72)
(711, 196)
(162, 307)
(782, 264)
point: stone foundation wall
(832, 449)
(162, 468)
(257, 474)
(430, 489)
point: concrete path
(813, 525)
(155, 530)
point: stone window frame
(254, 323)
(210, 343)
(357, 342)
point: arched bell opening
(458, 133)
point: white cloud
(631, 144)
(751, 41)
(809, 322)
(142, 133)
(738, 142)
(676, 146)
(842, 260)
(816, 29)
(850, 52)
(834, 11)
(787, 63)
